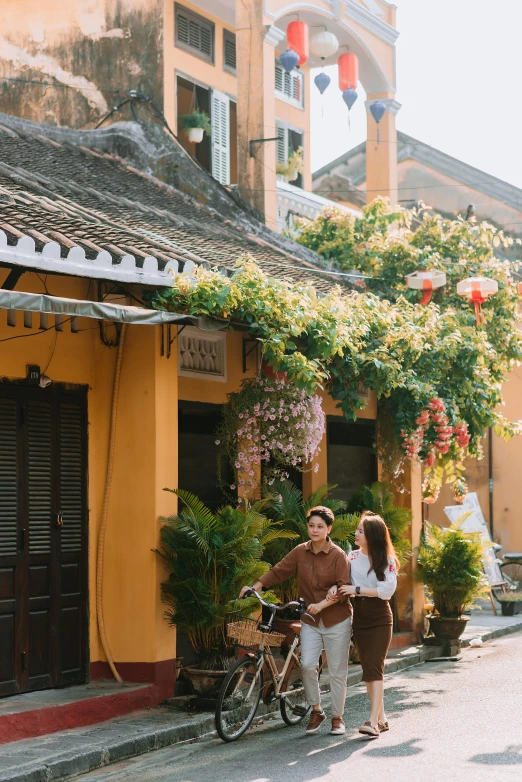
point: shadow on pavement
(511, 756)
(405, 749)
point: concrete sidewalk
(68, 753)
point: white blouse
(359, 566)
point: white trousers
(335, 641)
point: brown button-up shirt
(316, 574)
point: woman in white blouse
(373, 575)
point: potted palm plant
(450, 566)
(209, 557)
(196, 124)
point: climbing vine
(436, 375)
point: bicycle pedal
(300, 711)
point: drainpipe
(490, 476)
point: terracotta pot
(206, 684)
(196, 135)
(448, 628)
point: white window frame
(289, 79)
(281, 125)
(204, 23)
(219, 338)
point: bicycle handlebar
(299, 604)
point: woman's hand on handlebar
(257, 587)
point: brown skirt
(372, 634)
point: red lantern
(297, 37)
(477, 290)
(520, 288)
(426, 282)
(348, 65)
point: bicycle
(510, 566)
(244, 686)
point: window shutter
(220, 137)
(282, 144)
(39, 476)
(194, 33)
(229, 50)
(297, 88)
(71, 476)
(289, 85)
(8, 477)
(279, 77)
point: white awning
(40, 302)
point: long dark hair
(380, 546)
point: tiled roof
(105, 215)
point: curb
(73, 762)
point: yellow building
(89, 220)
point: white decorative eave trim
(274, 35)
(76, 264)
(378, 27)
(392, 105)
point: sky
(459, 80)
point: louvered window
(8, 477)
(229, 51)
(194, 33)
(39, 476)
(289, 86)
(282, 143)
(71, 476)
(220, 137)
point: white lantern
(427, 282)
(323, 44)
(477, 290)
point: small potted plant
(450, 566)
(196, 124)
(511, 603)
(290, 171)
(209, 557)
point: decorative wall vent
(202, 354)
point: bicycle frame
(265, 655)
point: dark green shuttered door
(43, 597)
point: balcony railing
(294, 203)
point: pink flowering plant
(273, 425)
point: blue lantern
(289, 60)
(378, 110)
(349, 97)
(322, 80)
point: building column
(381, 157)
(142, 644)
(410, 593)
(255, 43)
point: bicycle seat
(512, 557)
(296, 627)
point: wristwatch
(357, 590)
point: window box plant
(196, 124)
(290, 170)
(209, 557)
(511, 603)
(450, 566)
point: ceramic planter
(206, 684)
(511, 607)
(195, 135)
(448, 628)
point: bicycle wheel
(294, 708)
(512, 573)
(238, 698)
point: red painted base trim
(39, 722)
(404, 639)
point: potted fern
(196, 124)
(450, 566)
(209, 557)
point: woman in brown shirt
(319, 565)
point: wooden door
(43, 546)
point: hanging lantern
(520, 288)
(322, 80)
(477, 290)
(323, 44)
(349, 97)
(289, 60)
(348, 65)
(378, 110)
(297, 37)
(427, 282)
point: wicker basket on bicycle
(246, 633)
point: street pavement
(448, 721)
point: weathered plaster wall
(90, 52)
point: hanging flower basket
(271, 424)
(195, 125)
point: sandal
(383, 726)
(369, 730)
